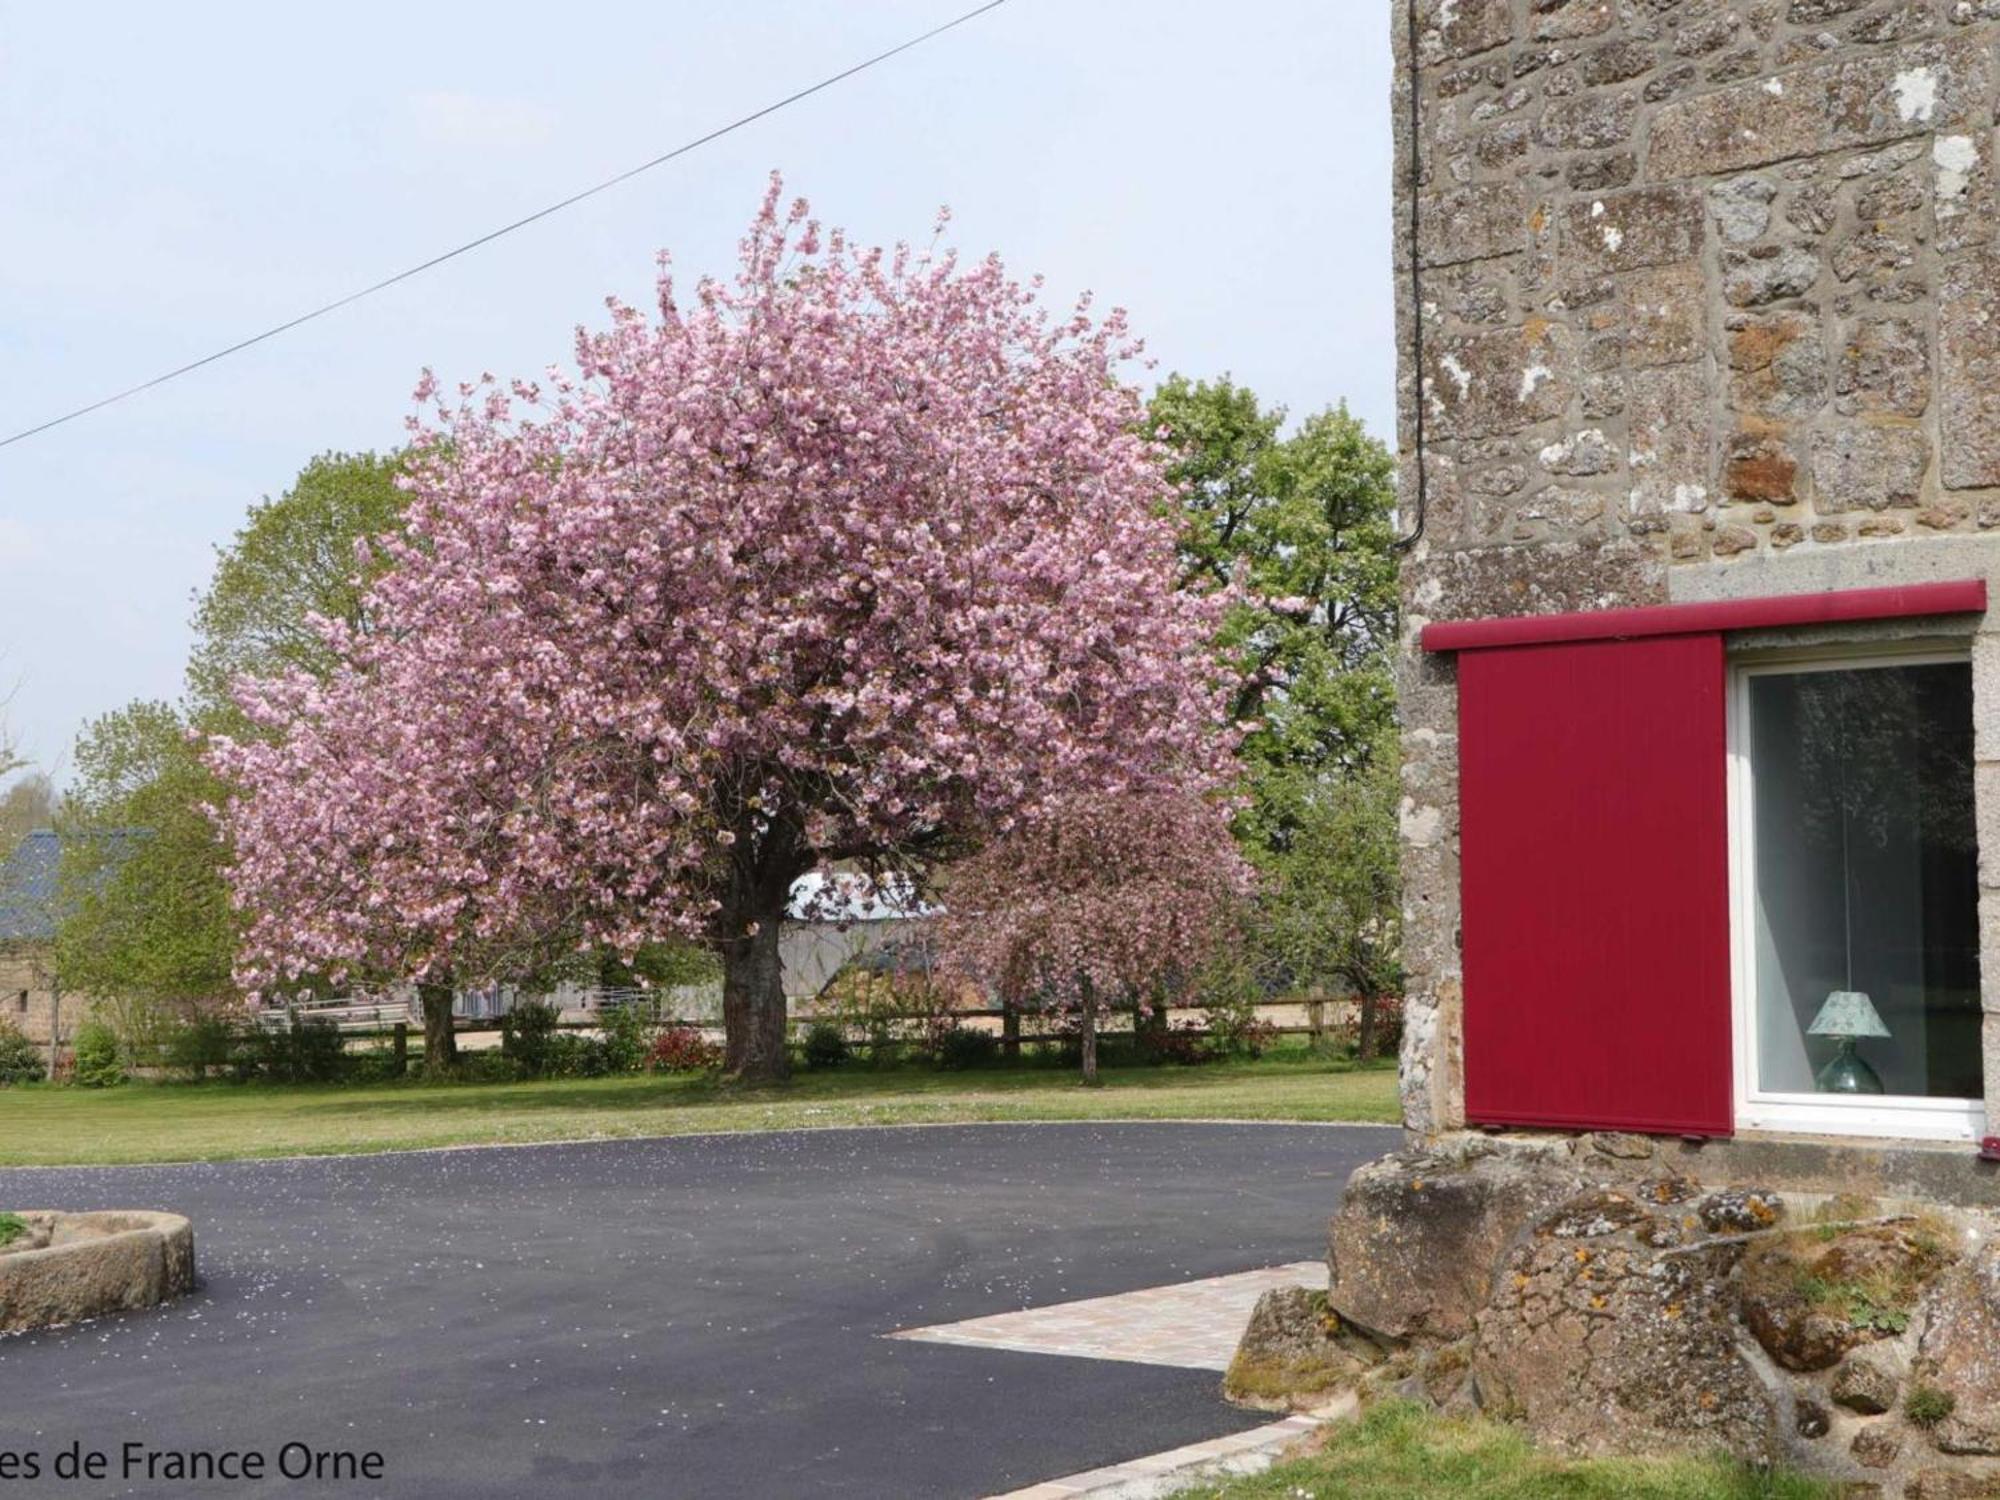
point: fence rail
(1296, 1016)
(346, 1015)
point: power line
(506, 229)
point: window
(21, 1002)
(1856, 865)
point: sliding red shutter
(1594, 842)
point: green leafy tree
(1304, 526)
(147, 926)
(1330, 901)
(28, 804)
(292, 563)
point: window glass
(1866, 881)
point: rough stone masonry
(1711, 306)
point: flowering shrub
(683, 1049)
(1181, 1043)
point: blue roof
(28, 883)
(28, 889)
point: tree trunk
(1364, 1045)
(1089, 1034)
(1149, 1025)
(440, 1036)
(1010, 1031)
(753, 1001)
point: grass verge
(1400, 1452)
(148, 1122)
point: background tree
(1330, 900)
(856, 558)
(292, 564)
(147, 924)
(1093, 901)
(1304, 525)
(28, 803)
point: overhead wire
(509, 228)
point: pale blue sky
(176, 177)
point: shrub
(307, 1051)
(20, 1059)
(627, 1035)
(573, 1056)
(683, 1049)
(198, 1047)
(98, 1065)
(487, 1067)
(1388, 1026)
(377, 1065)
(825, 1046)
(12, 1227)
(964, 1047)
(893, 1011)
(1182, 1043)
(1231, 1014)
(1927, 1406)
(528, 1037)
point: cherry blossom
(859, 558)
(1092, 898)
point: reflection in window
(1866, 877)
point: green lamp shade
(1847, 1013)
(1847, 1016)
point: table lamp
(1847, 1016)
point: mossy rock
(1296, 1353)
(1811, 1297)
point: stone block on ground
(1413, 1249)
(1296, 1353)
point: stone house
(1699, 380)
(29, 996)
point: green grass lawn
(1400, 1452)
(145, 1122)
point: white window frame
(1899, 1116)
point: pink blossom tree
(1093, 898)
(859, 557)
(364, 850)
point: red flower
(1989, 1149)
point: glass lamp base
(1847, 1073)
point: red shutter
(1594, 842)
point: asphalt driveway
(697, 1316)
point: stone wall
(24, 977)
(1711, 307)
